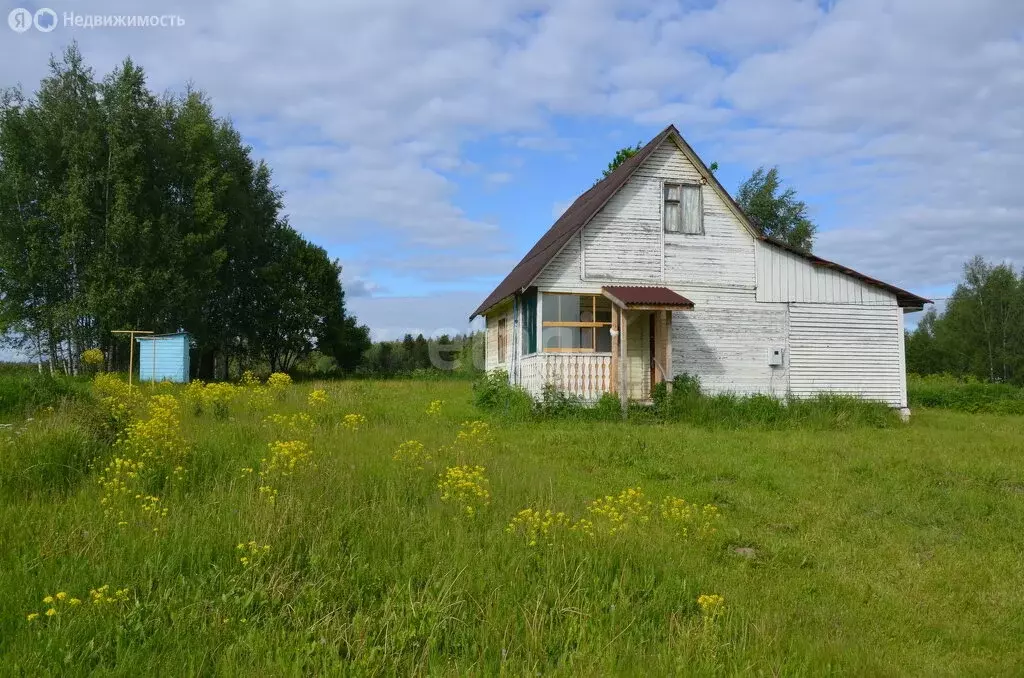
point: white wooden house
(656, 271)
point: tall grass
(865, 551)
(965, 395)
(23, 390)
(685, 403)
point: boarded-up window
(683, 210)
(502, 340)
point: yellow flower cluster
(60, 602)
(611, 515)
(317, 398)
(251, 552)
(92, 357)
(434, 408)
(152, 444)
(353, 422)
(689, 519)
(466, 486)
(249, 379)
(285, 458)
(711, 606)
(279, 381)
(102, 595)
(537, 526)
(412, 454)
(473, 435)
(614, 514)
(117, 401)
(295, 424)
(215, 397)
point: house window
(502, 340)
(529, 323)
(683, 210)
(577, 323)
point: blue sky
(428, 145)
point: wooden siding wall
(749, 298)
(491, 343)
(850, 349)
(783, 276)
(725, 341)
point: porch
(632, 324)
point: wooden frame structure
(131, 349)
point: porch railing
(584, 375)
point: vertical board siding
(784, 277)
(725, 340)
(847, 349)
(638, 355)
(164, 359)
(491, 340)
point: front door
(638, 354)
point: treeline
(461, 355)
(123, 209)
(981, 332)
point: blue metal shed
(164, 357)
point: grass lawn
(890, 551)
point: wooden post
(623, 364)
(131, 350)
(668, 350)
(613, 378)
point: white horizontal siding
(564, 269)
(783, 276)
(725, 342)
(623, 241)
(724, 254)
(847, 348)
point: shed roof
(587, 205)
(642, 295)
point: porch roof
(640, 297)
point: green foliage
(47, 455)
(458, 357)
(859, 552)
(621, 156)
(493, 393)
(23, 390)
(965, 394)
(981, 332)
(685, 403)
(119, 208)
(776, 212)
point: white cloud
(907, 113)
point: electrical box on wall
(775, 357)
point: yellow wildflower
(32, 616)
(466, 486)
(51, 612)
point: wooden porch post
(668, 350)
(623, 364)
(613, 377)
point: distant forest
(123, 209)
(980, 334)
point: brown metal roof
(630, 295)
(590, 203)
(569, 224)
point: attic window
(683, 211)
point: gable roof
(587, 205)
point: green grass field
(863, 551)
